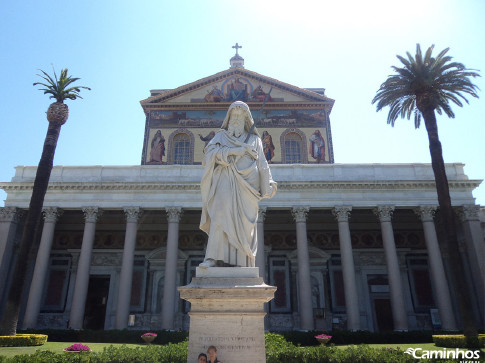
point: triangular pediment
(235, 84)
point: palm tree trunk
(449, 247)
(28, 247)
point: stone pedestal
(227, 311)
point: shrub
(279, 350)
(173, 353)
(344, 337)
(77, 348)
(457, 341)
(23, 340)
(111, 336)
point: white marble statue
(236, 176)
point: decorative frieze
(384, 212)
(174, 214)
(91, 214)
(300, 214)
(371, 259)
(108, 259)
(284, 185)
(342, 213)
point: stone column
(171, 258)
(475, 250)
(437, 271)
(304, 278)
(51, 214)
(76, 317)
(126, 276)
(260, 257)
(469, 216)
(10, 218)
(348, 268)
(399, 315)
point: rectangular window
(279, 276)
(56, 285)
(138, 285)
(338, 296)
(420, 284)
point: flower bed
(78, 347)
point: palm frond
(58, 87)
(426, 83)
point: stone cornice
(282, 185)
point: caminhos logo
(463, 355)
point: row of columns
(399, 313)
(342, 215)
(91, 215)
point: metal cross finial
(237, 46)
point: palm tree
(59, 89)
(421, 87)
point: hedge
(457, 341)
(277, 350)
(111, 336)
(345, 337)
(296, 337)
(23, 340)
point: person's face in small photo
(202, 359)
(212, 355)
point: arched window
(293, 147)
(181, 149)
(181, 146)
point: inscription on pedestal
(228, 314)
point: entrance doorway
(95, 311)
(383, 314)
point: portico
(337, 262)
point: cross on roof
(237, 46)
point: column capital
(51, 214)
(342, 213)
(91, 214)
(132, 214)
(426, 212)
(468, 212)
(261, 214)
(384, 212)
(174, 214)
(300, 213)
(11, 214)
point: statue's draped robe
(230, 189)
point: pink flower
(78, 348)
(149, 335)
(323, 336)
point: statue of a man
(236, 176)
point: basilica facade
(358, 241)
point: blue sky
(122, 49)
